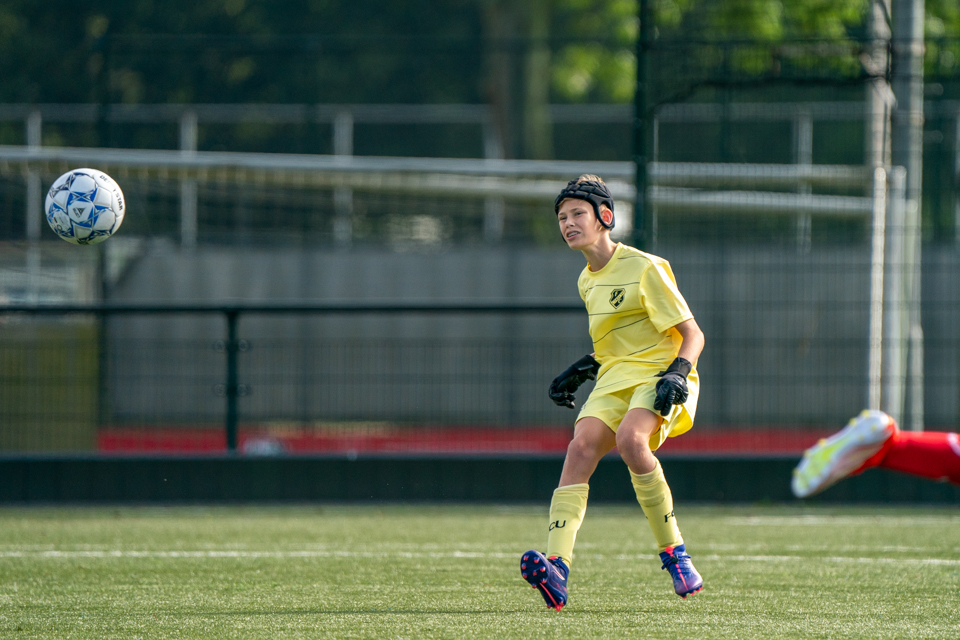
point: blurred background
(340, 237)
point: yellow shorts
(611, 406)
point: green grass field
(452, 572)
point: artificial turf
(429, 571)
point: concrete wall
(786, 335)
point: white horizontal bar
(661, 173)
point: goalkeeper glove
(672, 386)
(563, 386)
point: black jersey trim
(618, 329)
(641, 351)
(618, 284)
(612, 313)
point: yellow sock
(653, 494)
(566, 514)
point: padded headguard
(596, 193)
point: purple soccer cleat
(686, 580)
(546, 575)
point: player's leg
(858, 446)
(872, 439)
(592, 439)
(634, 435)
(928, 454)
(548, 572)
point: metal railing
(232, 345)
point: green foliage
(942, 51)
(604, 70)
(826, 19)
(943, 18)
(240, 51)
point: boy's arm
(672, 386)
(692, 340)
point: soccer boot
(546, 575)
(843, 453)
(686, 580)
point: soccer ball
(85, 206)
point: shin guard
(567, 508)
(655, 499)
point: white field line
(799, 521)
(227, 554)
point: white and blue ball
(85, 206)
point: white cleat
(836, 457)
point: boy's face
(578, 224)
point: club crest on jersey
(616, 297)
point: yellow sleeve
(661, 297)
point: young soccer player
(872, 439)
(646, 344)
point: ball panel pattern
(84, 206)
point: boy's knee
(577, 448)
(633, 440)
(583, 449)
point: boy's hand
(563, 386)
(672, 386)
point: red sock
(929, 454)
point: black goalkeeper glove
(563, 386)
(672, 386)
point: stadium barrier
(518, 479)
(728, 195)
(122, 379)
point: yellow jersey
(633, 304)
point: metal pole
(494, 206)
(232, 390)
(956, 178)
(343, 196)
(803, 154)
(188, 186)
(879, 99)
(908, 16)
(34, 131)
(642, 216)
(892, 394)
(875, 357)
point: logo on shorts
(557, 525)
(616, 297)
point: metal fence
(812, 286)
(782, 132)
(123, 378)
(787, 361)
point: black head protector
(596, 193)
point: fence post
(803, 155)
(232, 388)
(188, 186)
(895, 315)
(343, 196)
(34, 210)
(643, 224)
(877, 265)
